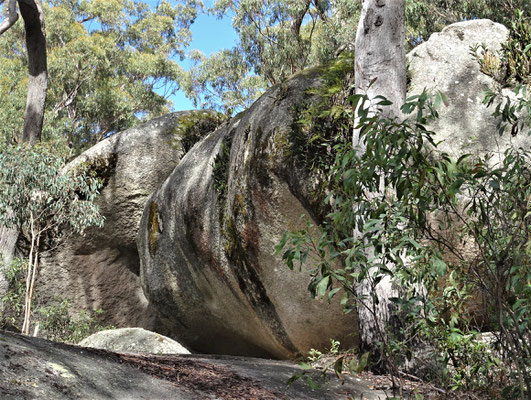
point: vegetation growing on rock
(220, 171)
(414, 207)
(154, 226)
(195, 125)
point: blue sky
(209, 35)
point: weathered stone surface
(8, 240)
(39, 369)
(101, 269)
(207, 244)
(445, 63)
(208, 259)
(133, 340)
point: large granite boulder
(101, 269)
(445, 62)
(208, 235)
(134, 341)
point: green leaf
(440, 266)
(281, 244)
(322, 286)
(362, 363)
(305, 366)
(294, 377)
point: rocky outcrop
(134, 341)
(101, 269)
(445, 63)
(39, 369)
(208, 235)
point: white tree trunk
(380, 52)
(380, 58)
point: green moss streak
(154, 227)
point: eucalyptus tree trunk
(33, 16)
(380, 70)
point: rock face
(208, 235)
(133, 340)
(101, 270)
(445, 63)
(8, 240)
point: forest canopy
(115, 63)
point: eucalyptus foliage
(279, 38)
(44, 201)
(33, 186)
(275, 40)
(110, 63)
(443, 230)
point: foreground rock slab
(35, 368)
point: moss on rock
(154, 227)
(194, 126)
(101, 167)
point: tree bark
(380, 52)
(380, 58)
(32, 14)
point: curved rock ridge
(101, 269)
(208, 235)
(134, 341)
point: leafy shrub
(512, 65)
(411, 232)
(13, 300)
(57, 324)
(44, 201)
(56, 321)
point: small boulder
(133, 340)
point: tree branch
(11, 18)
